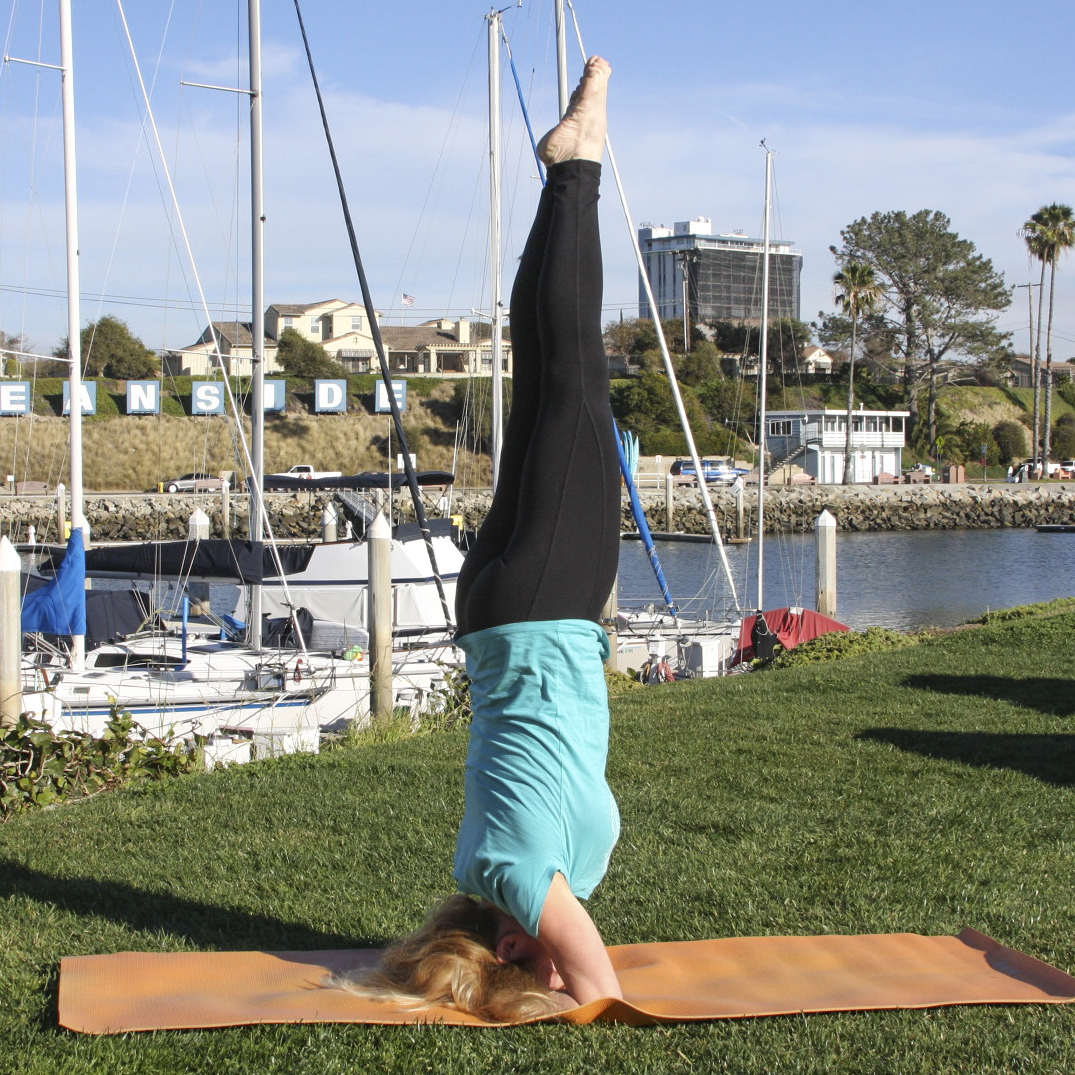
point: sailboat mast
(74, 316)
(496, 266)
(763, 361)
(561, 56)
(257, 310)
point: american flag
(408, 300)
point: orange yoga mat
(662, 983)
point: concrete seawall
(141, 516)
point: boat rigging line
(673, 384)
(375, 331)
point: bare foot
(580, 135)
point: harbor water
(899, 579)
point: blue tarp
(59, 607)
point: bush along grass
(838, 644)
(40, 766)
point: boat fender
(298, 671)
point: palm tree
(859, 292)
(1048, 233)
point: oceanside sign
(144, 397)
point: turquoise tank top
(537, 800)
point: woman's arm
(570, 937)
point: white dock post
(10, 635)
(825, 542)
(329, 519)
(669, 502)
(379, 618)
(61, 512)
(198, 526)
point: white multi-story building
(719, 276)
(814, 441)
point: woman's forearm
(575, 945)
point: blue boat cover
(59, 607)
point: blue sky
(956, 107)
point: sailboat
(248, 700)
(682, 647)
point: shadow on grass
(202, 924)
(1051, 695)
(1049, 758)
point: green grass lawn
(922, 789)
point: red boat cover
(790, 625)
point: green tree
(702, 364)
(1010, 438)
(1049, 233)
(788, 338)
(11, 350)
(940, 297)
(1064, 437)
(969, 438)
(858, 291)
(731, 338)
(645, 405)
(109, 347)
(300, 357)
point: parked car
(713, 470)
(194, 482)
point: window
(289, 322)
(315, 326)
(781, 428)
(356, 324)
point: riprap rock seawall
(141, 517)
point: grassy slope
(922, 789)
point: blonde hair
(451, 962)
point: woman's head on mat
(470, 956)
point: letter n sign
(330, 396)
(143, 397)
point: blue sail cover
(59, 607)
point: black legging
(549, 546)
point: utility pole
(686, 258)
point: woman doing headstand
(540, 821)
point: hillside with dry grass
(138, 451)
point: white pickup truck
(306, 471)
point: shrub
(839, 644)
(39, 766)
(1010, 438)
